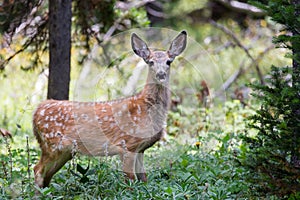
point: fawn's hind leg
(48, 165)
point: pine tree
(273, 157)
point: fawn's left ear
(178, 45)
(139, 47)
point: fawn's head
(159, 61)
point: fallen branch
(233, 77)
(242, 70)
(238, 43)
(125, 6)
(242, 7)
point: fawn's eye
(150, 62)
(169, 62)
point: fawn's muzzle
(161, 76)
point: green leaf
(81, 170)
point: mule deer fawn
(126, 127)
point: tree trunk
(60, 13)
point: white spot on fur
(85, 117)
(112, 125)
(131, 131)
(53, 147)
(74, 115)
(58, 134)
(124, 106)
(139, 111)
(60, 145)
(105, 118)
(46, 125)
(123, 144)
(42, 113)
(120, 113)
(58, 124)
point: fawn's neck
(156, 93)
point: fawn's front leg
(139, 167)
(128, 159)
(133, 165)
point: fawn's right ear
(139, 47)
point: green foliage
(176, 169)
(13, 13)
(87, 13)
(192, 175)
(273, 154)
(271, 151)
(92, 21)
(181, 7)
(16, 174)
(286, 13)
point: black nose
(161, 76)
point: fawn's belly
(112, 142)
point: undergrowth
(203, 166)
